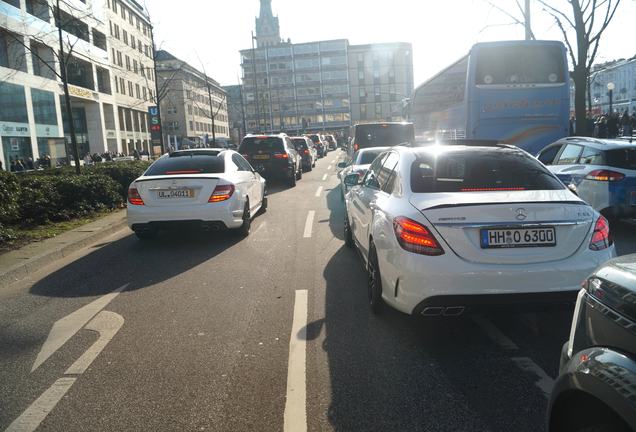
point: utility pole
(157, 99)
(242, 108)
(212, 113)
(258, 111)
(67, 96)
(528, 21)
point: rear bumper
(227, 214)
(411, 282)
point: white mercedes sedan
(446, 227)
(213, 189)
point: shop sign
(45, 131)
(154, 119)
(80, 92)
(14, 129)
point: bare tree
(588, 19)
(522, 19)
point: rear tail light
(416, 238)
(134, 198)
(605, 175)
(281, 156)
(306, 152)
(602, 237)
(221, 193)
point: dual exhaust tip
(446, 311)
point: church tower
(267, 28)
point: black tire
(264, 205)
(244, 230)
(146, 234)
(374, 282)
(299, 173)
(348, 235)
(291, 181)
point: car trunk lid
(177, 190)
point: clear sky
(211, 32)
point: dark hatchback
(388, 134)
(304, 146)
(273, 156)
(596, 387)
(321, 146)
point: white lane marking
(107, 324)
(295, 406)
(66, 327)
(318, 192)
(329, 168)
(309, 224)
(30, 419)
(495, 334)
(260, 227)
(544, 382)
(324, 177)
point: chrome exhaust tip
(454, 311)
(432, 311)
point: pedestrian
(612, 125)
(572, 125)
(29, 163)
(19, 165)
(626, 123)
(601, 127)
(136, 154)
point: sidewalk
(18, 264)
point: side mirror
(573, 189)
(352, 180)
(343, 165)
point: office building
(319, 85)
(110, 76)
(188, 116)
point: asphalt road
(198, 338)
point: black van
(380, 135)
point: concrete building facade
(107, 113)
(322, 85)
(188, 118)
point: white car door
(252, 180)
(362, 198)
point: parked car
(211, 188)
(307, 151)
(320, 144)
(358, 164)
(273, 156)
(445, 227)
(601, 171)
(380, 135)
(596, 387)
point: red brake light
(221, 193)
(134, 198)
(183, 172)
(415, 237)
(605, 175)
(281, 156)
(602, 237)
(492, 189)
(306, 151)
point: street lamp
(610, 89)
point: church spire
(267, 28)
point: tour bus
(512, 91)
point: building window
(38, 8)
(127, 63)
(12, 103)
(12, 54)
(137, 91)
(130, 89)
(122, 86)
(361, 75)
(44, 107)
(119, 59)
(133, 42)
(43, 60)
(99, 39)
(80, 73)
(378, 110)
(145, 93)
(103, 80)
(191, 125)
(114, 3)
(125, 37)
(363, 92)
(363, 112)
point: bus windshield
(499, 65)
(383, 134)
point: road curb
(20, 271)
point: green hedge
(9, 187)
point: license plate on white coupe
(175, 193)
(518, 237)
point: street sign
(154, 119)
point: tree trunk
(580, 77)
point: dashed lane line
(329, 167)
(495, 334)
(325, 177)
(318, 192)
(309, 224)
(296, 403)
(544, 382)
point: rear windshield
(376, 135)
(187, 164)
(542, 64)
(252, 144)
(329, 138)
(368, 156)
(300, 143)
(622, 158)
(476, 171)
(315, 138)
